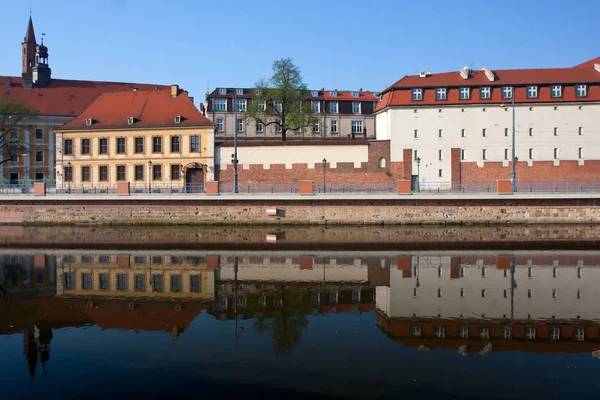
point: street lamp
(418, 173)
(324, 180)
(150, 176)
(71, 177)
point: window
(259, 126)
(532, 92)
(581, 90)
(333, 107)
(278, 125)
(39, 156)
(463, 132)
(39, 134)
(120, 145)
(357, 127)
(416, 133)
(68, 174)
(240, 105)
(440, 173)
(279, 106)
(157, 282)
(555, 333)
(175, 144)
(69, 280)
(579, 334)
(440, 332)
(139, 145)
(355, 107)
(239, 124)
(195, 283)
(315, 125)
(465, 93)
(85, 146)
(580, 131)
(140, 283)
(14, 134)
(175, 283)
(355, 94)
(334, 126)
(220, 105)
(239, 92)
(506, 154)
(175, 172)
(555, 153)
(121, 282)
(121, 176)
(485, 93)
(157, 172)
(103, 173)
(139, 259)
(222, 91)
(530, 154)
(463, 331)
(68, 147)
(484, 154)
(219, 124)
(440, 155)
(462, 154)
(556, 91)
(440, 94)
(440, 133)
(315, 106)
(484, 132)
(261, 105)
(416, 331)
(484, 333)
(580, 153)
(157, 144)
(39, 176)
(85, 174)
(416, 153)
(195, 144)
(530, 131)
(530, 333)
(103, 146)
(507, 92)
(555, 131)
(86, 280)
(381, 163)
(104, 282)
(417, 94)
(139, 172)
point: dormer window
(507, 92)
(417, 94)
(485, 93)
(239, 92)
(222, 91)
(130, 120)
(315, 93)
(440, 94)
(333, 93)
(178, 119)
(581, 90)
(532, 92)
(465, 93)
(355, 94)
(89, 122)
(556, 91)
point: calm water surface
(294, 324)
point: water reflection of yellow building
(185, 277)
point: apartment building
(338, 114)
(459, 126)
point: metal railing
(260, 187)
(359, 187)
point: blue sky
(338, 44)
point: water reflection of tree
(285, 323)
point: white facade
(544, 132)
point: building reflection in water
(538, 303)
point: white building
(556, 120)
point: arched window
(381, 162)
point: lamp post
(71, 178)
(324, 180)
(513, 177)
(418, 174)
(150, 176)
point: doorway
(194, 180)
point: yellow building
(150, 138)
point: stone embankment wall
(297, 212)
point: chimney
(597, 67)
(174, 90)
(8, 82)
(360, 89)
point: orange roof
(67, 98)
(400, 93)
(149, 108)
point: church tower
(41, 70)
(29, 49)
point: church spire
(30, 34)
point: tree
(13, 115)
(282, 100)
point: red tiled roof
(400, 93)
(150, 108)
(67, 98)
